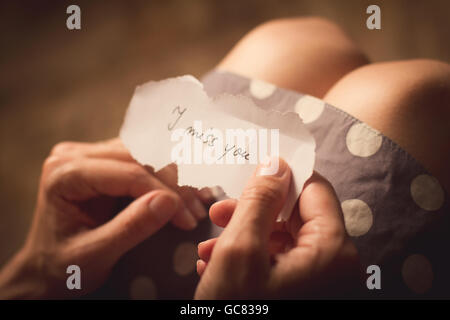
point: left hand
(94, 204)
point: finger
(86, 178)
(169, 176)
(319, 206)
(189, 196)
(260, 203)
(279, 242)
(205, 249)
(141, 219)
(321, 235)
(201, 266)
(110, 149)
(222, 211)
(82, 179)
(294, 222)
(240, 254)
(184, 219)
(206, 196)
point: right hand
(255, 257)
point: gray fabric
(408, 242)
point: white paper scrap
(215, 141)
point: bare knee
(406, 87)
(409, 101)
(428, 87)
(304, 54)
(299, 27)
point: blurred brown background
(59, 85)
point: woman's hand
(94, 204)
(255, 257)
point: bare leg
(408, 101)
(303, 54)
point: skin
(318, 52)
(408, 101)
(254, 257)
(94, 201)
(94, 204)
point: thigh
(303, 54)
(409, 102)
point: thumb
(260, 203)
(142, 218)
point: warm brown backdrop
(75, 85)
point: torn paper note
(215, 141)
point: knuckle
(70, 169)
(140, 178)
(62, 174)
(51, 162)
(228, 249)
(313, 253)
(62, 148)
(187, 193)
(131, 228)
(266, 193)
(334, 232)
(245, 259)
(137, 172)
(237, 250)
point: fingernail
(198, 209)
(274, 166)
(201, 244)
(163, 205)
(206, 195)
(188, 219)
(201, 266)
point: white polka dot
(261, 89)
(357, 216)
(142, 288)
(417, 273)
(427, 192)
(185, 258)
(363, 141)
(309, 108)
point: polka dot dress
(396, 213)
